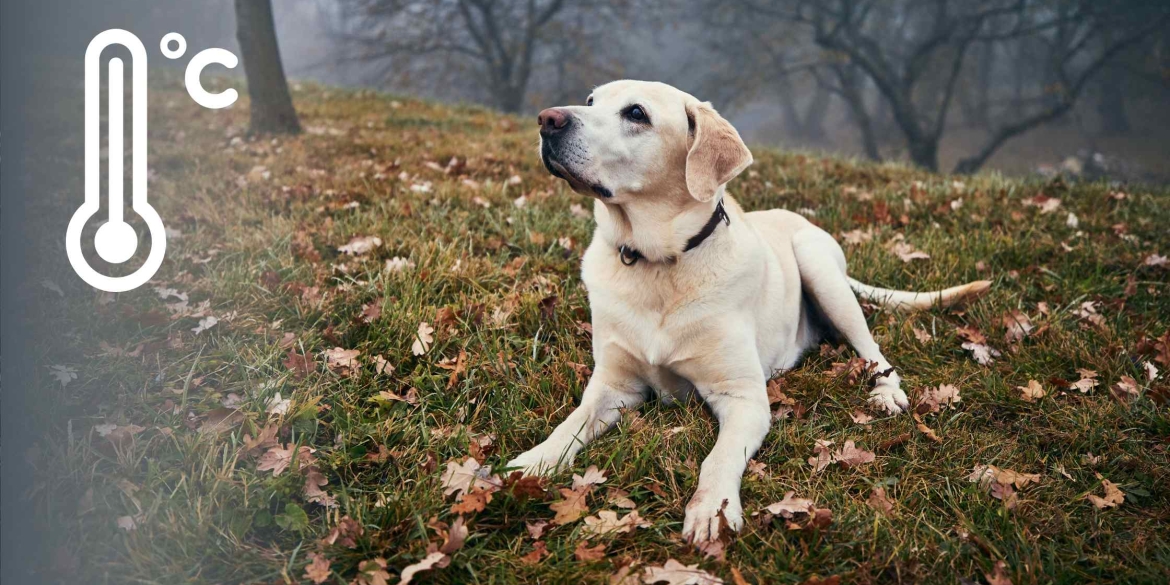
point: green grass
(204, 514)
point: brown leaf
(428, 563)
(343, 361)
(372, 311)
(998, 575)
(526, 486)
(1125, 390)
(455, 537)
(1017, 324)
(676, 573)
(571, 508)
(790, 506)
(1032, 392)
(461, 478)
(878, 501)
(537, 529)
(265, 439)
(276, 459)
(585, 553)
(458, 365)
(472, 501)
(539, 551)
(301, 365)
(861, 418)
(922, 428)
(850, 456)
(606, 522)
(591, 478)
(345, 533)
(317, 570)
(620, 498)
(1113, 495)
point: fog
(763, 69)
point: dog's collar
(629, 256)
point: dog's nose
(553, 120)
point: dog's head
(636, 137)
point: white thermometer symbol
(116, 240)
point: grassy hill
(167, 433)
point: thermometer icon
(116, 241)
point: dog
(689, 293)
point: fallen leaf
(1113, 495)
(676, 573)
(317, 570)
(925, 430)
(360, 245)
(126, 523)
(1125, 389)
(983, 354)
(537, 529)
(343, 361)
(592, 477)
(907, 253)
(1017, 324)
(585, 553)
(301, 365)
(428, 562)
(278, 405)
(757, 468)
(372, 311)
(63, 374)
(606, 522)
(998, 575)
(473, 501)
(423, 340)
(1087, 382)
(345, 533)
(822, 456)
(921, 335)
(205, 324)
(461, 478)
(539, 551)
(1032, 392)
(850, 456)
(571, 508)
(790, 506)
(878, 501)
(861, 418)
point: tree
(490, 49)
(914, 52)
(272, 109)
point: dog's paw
(890, 398)
(708, 512)
(539, 461)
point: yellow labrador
(689, 293)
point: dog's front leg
(607, 393)
(741, 407)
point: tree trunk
(272, 109)
(1111, 102)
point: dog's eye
(637, 114)
(589, 101)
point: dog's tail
(905, 300)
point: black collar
(630, 256)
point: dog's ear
(716, 155)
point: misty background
(1080, 87)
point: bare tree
(272, 109)
(498, 44)
(913, 52)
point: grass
(499, 285)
